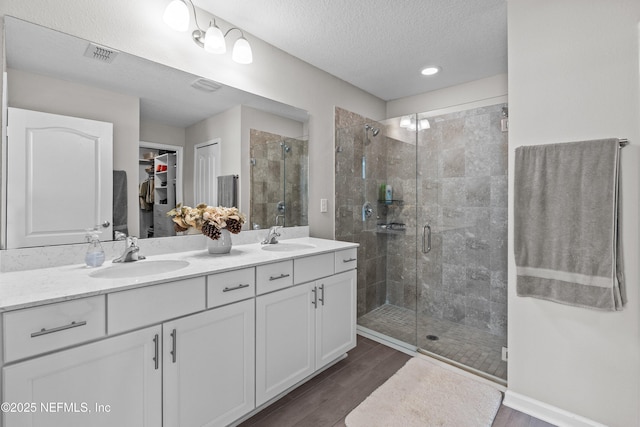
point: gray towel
(228, 191)
(566, 241)
(120, 202)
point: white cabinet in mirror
(48, 71)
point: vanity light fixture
(430, 71)
(176, 16)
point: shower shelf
(392, 228)
(391, 202)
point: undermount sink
(286, 247)
(138, 268)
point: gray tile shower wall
(461, 191)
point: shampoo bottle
(388, 195)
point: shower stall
(425, 196)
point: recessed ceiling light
(430, 71)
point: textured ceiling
(380, 46)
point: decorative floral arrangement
(207, 219)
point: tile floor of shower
(459, 343)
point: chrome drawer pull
(282, 276)
(349, 260)
(227, 289)
(322, 298)
(45, 331)
(174, 345)
(156, 345)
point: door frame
(179, 162)
(214, 141)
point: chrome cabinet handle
(282, 276)
(426, 233)
(156, 356)
(174, 339)
(322, 289)
(235, 288)
(349, 260)
(45, 331)
(315, 297)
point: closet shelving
(164, 170)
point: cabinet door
(57, 161)
(113, 382)
(284, 340)
(336, 317)
(209, 366)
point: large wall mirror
(161, 115)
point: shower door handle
(426, 235)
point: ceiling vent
(100, 53)
(206, 85)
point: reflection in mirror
(279, 187)
(57, 73)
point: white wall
(573, 75)
(136, 27)
(35, 92)
(488, 91)
(160, 133)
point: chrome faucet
(272, 236)
(131, 250)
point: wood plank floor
(327, 399)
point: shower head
(374, 131)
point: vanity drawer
(231, 286)
(154, 304)
(346, 259)
(271, 277)
(49, 327)
(312, 267)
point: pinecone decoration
(210, 231)
(178, 228)
(234, 226)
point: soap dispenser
(95, 254)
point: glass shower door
(462, 220)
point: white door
(206, 171)
(284, 340)
(59, 178)
(113, 382)
(336, 317)
(209, 366)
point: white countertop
(29, 288)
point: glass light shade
(242, 52)
(405, 121)
(424, 124)
(176, 15)
(214, 40)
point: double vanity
(186, 339)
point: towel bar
(623, 142)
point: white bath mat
(426, 395)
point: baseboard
(546, 412)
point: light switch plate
(323, 205)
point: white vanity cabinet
(209, 366)
(113, 382)
(285, 325)
(303, 328)
(205, 349)
(335, 316)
